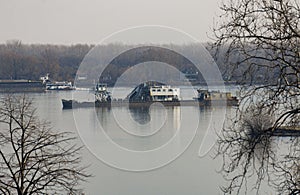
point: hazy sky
(89, 21)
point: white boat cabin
(164, 93)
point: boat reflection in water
(140, 128)
(140, 114)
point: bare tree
(288, 171)
(262, 43)
(33, 158)
(247, 148)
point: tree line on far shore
(31, 61)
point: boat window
(158, 90)
(170, 89)
(153, 90)
(164, 90)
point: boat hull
(70, 104)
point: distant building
(189, 76)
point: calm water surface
(187, 174)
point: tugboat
(206, 97)
(102, 96)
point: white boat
(60, 86)
(154, 92)
(56, 85)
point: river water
(157, 150)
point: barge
(12, 86)
(208, 97)
(148, 93)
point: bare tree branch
(34, 159)
(261, 40)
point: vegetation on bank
(30, 62)
(21, 61)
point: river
(186, 166)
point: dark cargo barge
(9, 86)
